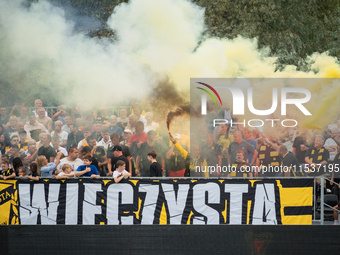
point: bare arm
(255, 156)
(120, 177)
(137, 164)
(56, 115)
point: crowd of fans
(89, 143)
(92, 144)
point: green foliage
(292, 29)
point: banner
(155, 201)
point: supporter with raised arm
(120, 171)
(331, 145)
(16, 109)
(300, 146)
(34, 128)
(46, 169)
(60, 114)
(178, 158)
(43, 119)
(289, 144)
(46, 149)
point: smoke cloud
(159, 44)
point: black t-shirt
(155, 170)
(300, 155)
(268, 156)
(47, 152)
(211, 154)
(95, 163)
(34, 174)
(289, 160)
(98, 154)
(317, 156)
(144, 149)
(114, 163)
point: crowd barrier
(157, 201)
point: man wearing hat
(118, 155)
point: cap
(127, 131)
(116, 148)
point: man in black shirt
(99, 154)
(118, 155)
(74, 137)
(145, 148)
(155, 167)
(290, 162)
(125, 151)
(46, 149)
(300, 146)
